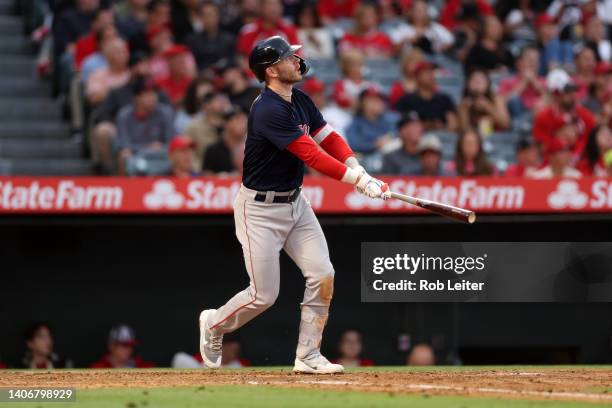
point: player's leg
(307, 246)
(261, 235)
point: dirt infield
(575, 384)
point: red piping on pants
(246, 229)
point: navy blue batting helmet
(270, 51)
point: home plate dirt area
(570, 384)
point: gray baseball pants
(263, 229)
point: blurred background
(501, 91)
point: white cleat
(210, 343)
(316, 364)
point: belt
(284, 198)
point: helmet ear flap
(304, 65)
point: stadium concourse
(442, 88)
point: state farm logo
(163, 195)
(568, 194)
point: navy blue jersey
(273, 124)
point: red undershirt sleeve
(333, 143)
(306, 149)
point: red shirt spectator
(252, 33)
(271, 23)
(88, 44)
(551, 121)
(365, 36)
(527, 157)
(179, 77)
(347, 89)
(121, 343)
(564, 118)
(334, 9)
(449, 15)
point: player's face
(288, 70)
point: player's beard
(291, 76)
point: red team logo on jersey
(305, 129)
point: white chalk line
(422, 387)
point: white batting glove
(372, 187)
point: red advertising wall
(108, 195)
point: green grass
(269, 397)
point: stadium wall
(85, 274)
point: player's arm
(336, 147)
(305, 149)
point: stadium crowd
(521, 88)
(39, 351)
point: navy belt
(279, 199)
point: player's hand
(372, 187)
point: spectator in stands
(180, 74)
(131, 12)
(158, 15)
(191, 107)
(117, 74)
(365, 36)
(73, 23)
(584, 75)
(88, 44)
(436, 109)
(405, 160)
(421, 32)
(527, 157)
(132, 16)
(160, 40)
(524, 90)
(595, 37)
(470, 158)
(335, 116)
(559, 159)
(236, 14)
(97, 60)
(180, 155)
(185, 16)
(453, 11)
(143, 125)
(480, 107)
(489, 53)
(407, 83)
(207, 129)
(211, 45)
(372, 128)
(39, 353)
(421, 355)
(332, 10)
(518, 17)
(121, 343)
(218, 157)
(600, 90)
(237, 87)
(430, 157)
(270, 23)
(598, 144)
(316, 40)
(564, 117)
(350, 348)
(554, 53)
(466, 29)
(346, 90)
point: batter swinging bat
(456, 213)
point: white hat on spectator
(558, 80)
(429, 142)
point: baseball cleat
(316, 364)
(210, 343)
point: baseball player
(271, 213)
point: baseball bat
(455, 213)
